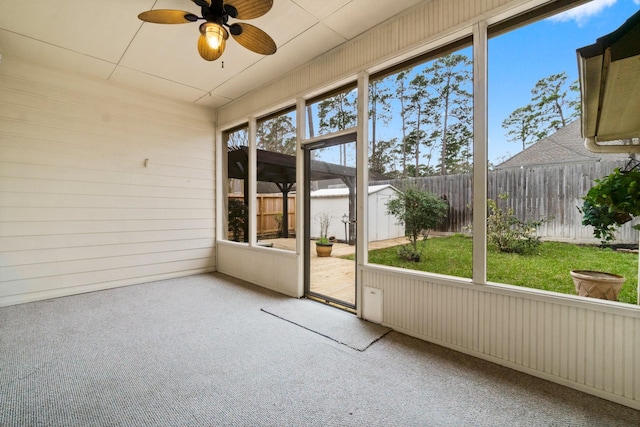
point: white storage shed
(335, 201)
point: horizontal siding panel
(31, 185)
(95, 161)
(136, 176)
(87, 140)
(100, 214)
(75, 282)
(19, 92)
(111, 136)
(14, 135)
(66, 240)
(97, 251)
(78, 208)
(11, 274)
(20, 229)
(48, 200)
(92, 287)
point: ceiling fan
(216, 14)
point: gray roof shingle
(564, 146)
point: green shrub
(279, 219)
(419, 211)
(612, 202)
(508, 233)
(237, 219)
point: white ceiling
(106, 40)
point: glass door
(330, 226)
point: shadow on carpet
(330, 322)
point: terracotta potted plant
(323, 244)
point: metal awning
(609, 73)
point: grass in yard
(547, 269)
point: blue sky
(518, 59)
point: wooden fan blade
(202, 3)
(167, 16)
(250, 9)
(206, 52)
(254, 39)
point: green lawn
(548, 269)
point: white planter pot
(597, 284)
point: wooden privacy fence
(546, 191)
(268, 209)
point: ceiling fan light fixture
(215, 31)
(215, 34)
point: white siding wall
(590, 346)
(79, 210)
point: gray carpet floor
(200, 351)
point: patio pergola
(280, 169)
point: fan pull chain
(222, 64)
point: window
(539, 169)
(333, 196)
(276, 175)
(332, 113)
(237, 190)
(420, 162)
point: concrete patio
(334, 276)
